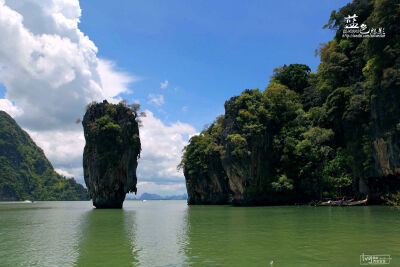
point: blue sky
(208, 51)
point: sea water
(170, 233)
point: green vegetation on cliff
(25, 172)
(311, 135)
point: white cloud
(158, 100)
(113, 82)
(63, 148)
(11, 109)
(63, 172)
(51, 72)
(164, 84)
(49, 67)
(162, 149)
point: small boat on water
(329, 202)
(356, 203)
(27, 201)
(342, 202)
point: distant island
(310, 135)
(26, 173)
(148, 196)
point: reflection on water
(169, 233)
(107, 238)
(161, 232)
(290, 236)
(151, 233)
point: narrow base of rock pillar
(114, 203)
(108, 206)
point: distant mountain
(148, 196)
(176, 197)
(130, 197)
(26, 173)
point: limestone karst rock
(111, 152)
(310, 135)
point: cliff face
(111, 153)
(244, 169)
(385, 134)
(332, 133)
(234, 161)
(26, 173)
(206, 181)
(387, 156)
(209, 188)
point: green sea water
(170, 233)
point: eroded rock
(111, 152)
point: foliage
(294, 76)
(392, 199)
(25, 172)
(198, 157)
(282, 184)
(103, 127)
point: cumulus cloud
(49, 67)
(164, 84)
(162, 149)
(64, 149)
(10, 108)
(113, 82)
(51, 72)
(157, 100)
(63, 172)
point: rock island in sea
(111, 153)
(310, 135)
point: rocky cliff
(332, 133)
(206, 180)
(111, 152)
